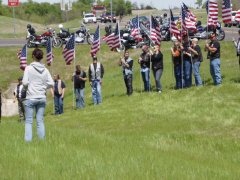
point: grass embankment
(185, 134)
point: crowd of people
(186, 57)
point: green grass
(185, 134)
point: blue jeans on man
(178, 76)
(187, 65)
(58, 103)
(79, 94)
(157, 76)
(196, 71)
(96, 92)
(30, 106)
(215, 71)
(146, 78)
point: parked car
(89, 18)
(108, 18)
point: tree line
(46, 13)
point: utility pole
(66, 5)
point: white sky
(159, 4)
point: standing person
(20, 94)
(237, 45)
(196, 60)
(58, 91)
(127, 65)
(213, 49)
(79, 79)
(36, 80)
(144, 61)
(95, 74)
(187, 62)
(157, 67)
(177, 63)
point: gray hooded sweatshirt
(37, 80)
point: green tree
(199, 3)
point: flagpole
(74, 65)
(170, 22)
(140, 66)
(181, 48)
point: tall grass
(185, 134)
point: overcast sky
(159, 4)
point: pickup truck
(89, 18)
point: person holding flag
(213, 49)
(144, 61)
(157, 66)
(95, 74)
(127, 66)
(237, 46)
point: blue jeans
(30, 105)
(96, 92)
(79, 94)
(178, 76)
(215, 71)
(157, 76)
(196, 71)
(58, 103)
(187, 65)
(146, 78)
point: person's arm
(102, 71)
(52, 91)
(89, 74)
(63, 89)
(84, 77)
(193, 50)
(25, 80)
(212, 49)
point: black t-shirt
(185, 49)
(198, 57)
(216, 54)
(78, 83)
(157, 61)
(145, 63)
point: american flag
(69, 50)
(187, 21)
(237, 17)
(113, 40)
(155, 33)
(226, 11)
(173, 27)
(212, 9)
(22, 56)
(191, 16)
(135, 27)
(96, 42)
(49, 53)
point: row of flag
(187, 18)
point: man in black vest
(95, 74)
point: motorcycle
(81, 35)
(41, 40)
(165, 32)
(204, 32)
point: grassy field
(185, 134)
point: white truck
(89, 18)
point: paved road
(230, 34)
